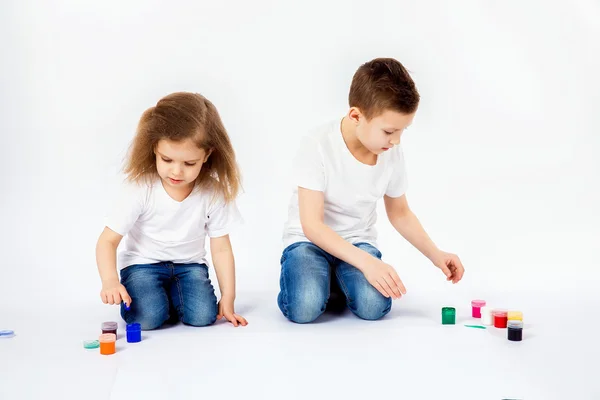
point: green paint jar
(448, 316)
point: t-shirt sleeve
(308, 170)
(398, 181)
(222, 218)
(126, 208)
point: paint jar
(109, 327)
(134, 333)
(486, 315)
(515, 316)
(500, 318)
(515, 330)
(107, 343)
(448, 315)
(476, 308)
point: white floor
(408, 355)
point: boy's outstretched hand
(226, 310)
(450, 265)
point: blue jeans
(166, 292)
(306, 281)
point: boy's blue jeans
(307, 272)
(166, 292)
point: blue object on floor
(7, 334)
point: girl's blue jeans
(169, 292)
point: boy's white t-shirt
(157, 228)
(351, 189)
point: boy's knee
(303, 308)
(371, 305)
(304, 283)
(305, 311)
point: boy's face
(383, 131)
(179, 163)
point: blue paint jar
(134, 333)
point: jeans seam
(180, 298)
(344, 288)
(284, 302)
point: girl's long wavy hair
(180, 116)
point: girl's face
(179, 163)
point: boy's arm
(379, 274)
(106, 257)
(222, 256)
(408, 225)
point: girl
(182, 180)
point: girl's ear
(208, 153)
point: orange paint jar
(108, 342)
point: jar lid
(107, 337)
(109, 326)
(478, 303)
(515, 315)
(515, 324)
(448, 310)
(500, 313)
(91, 344)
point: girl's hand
(113, 293)
(450, 265)
(226, 310)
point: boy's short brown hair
(383, 84)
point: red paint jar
(500, 318)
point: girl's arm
(222, 256)
(106, 257)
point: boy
(341, 171)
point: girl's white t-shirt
(351, 189)
(157, 228)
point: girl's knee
(148, 321)
(200, 315)
(149, 313)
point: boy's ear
(354, 114)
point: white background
(502, 165)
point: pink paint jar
(476, 308)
